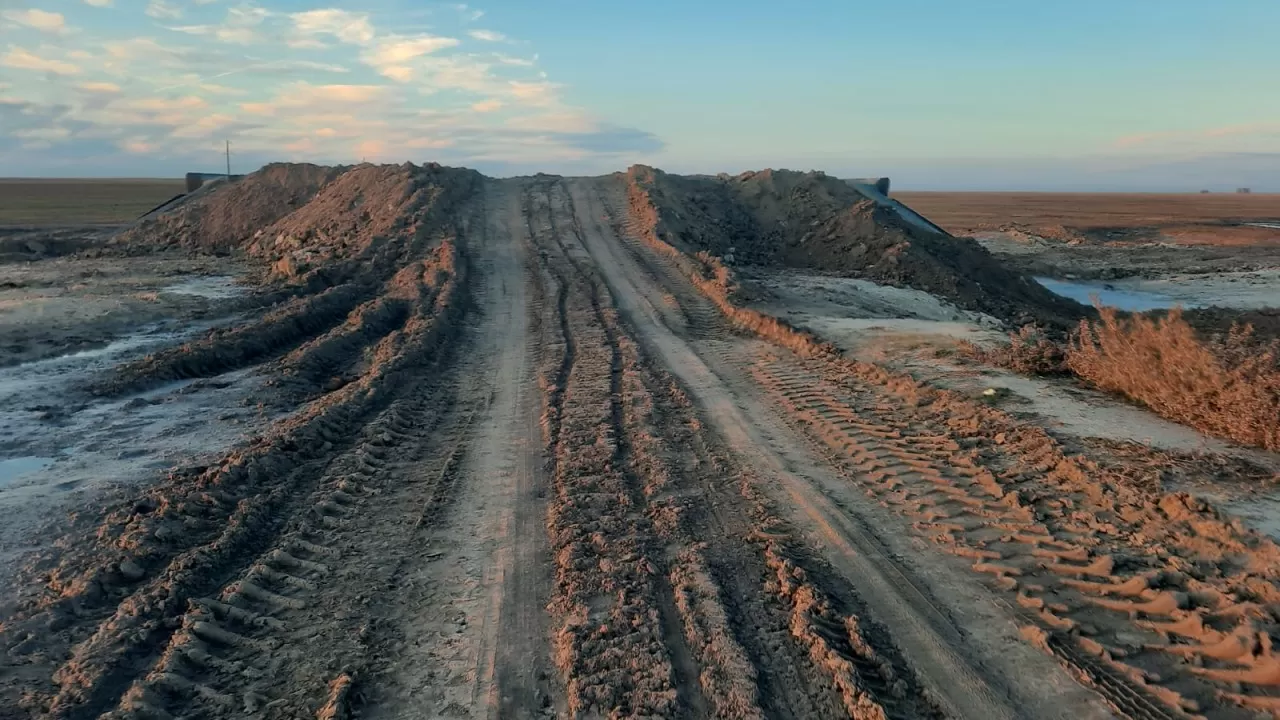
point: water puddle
(14, 468)
(1110, 296)
(213, 287)
(1273, 226)
(25, 377)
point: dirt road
(557, 481)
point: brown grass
(959, 212)
(1227, 385)
(62, 202)
(1030, 351)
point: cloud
(306, 97)
(1238, 130)
(162, 10)
(98, 3)
(534, 93)
(515, 61)
(1200, 139)
(137, 145)
(349, 27)
(116, 99)
(390, 54)
(23, 60)
(50, 22)
(99, 87)
(468, 13)
(46, 133)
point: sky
(937, 94)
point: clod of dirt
(818, 222)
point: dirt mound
(221, 220)
(817, 222)
(357, 214)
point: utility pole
(228, 161)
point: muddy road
(537, 470)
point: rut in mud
(542, 466)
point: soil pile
(817, 222)
(224, 217)
(356, 215)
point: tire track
(823, 635)
(1150, 599)
(117, 601)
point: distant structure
(1243, 191)
(1204, 192)
(195, 180)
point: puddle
(14, 468)
(214, 287)
(1131, 300)
(25, 377)
(1273, 226)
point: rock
(131, 571)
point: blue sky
(981, 94)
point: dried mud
(541, 464)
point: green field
(62, 202)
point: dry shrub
(1227, 385)
(1030, 351)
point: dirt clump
(817, 222)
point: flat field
(964, 212)
(63, 202)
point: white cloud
(99, 87)
(391, 54)
(46, 133)
(487, 35)
(515, 61)
(162, 10)
(306, 97)
(395, 49)
(50, 22)
(485, 106)
(468, 13)
(399, 73)
(534, 93)
(24, 60)
(350, 27)
(98, 3)
(137, 145)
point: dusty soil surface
(519, 456)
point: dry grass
(63, 202)
(1227, 385)
(1030, 351)
(959, 212)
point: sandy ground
(518, 462)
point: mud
(511, 451)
